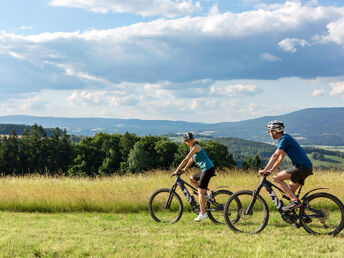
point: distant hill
(6, 129)
(313, 126)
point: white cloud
(318, 92)
(335, 33)
(215, 46)
(166, 8)
(312, 2)
(289, 45)
(337, 89)
(101, 98)
(269, 57)
(234, 90)
(25, 27)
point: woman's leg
(201, 197)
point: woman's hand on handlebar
(177, 172)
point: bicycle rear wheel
(237, 217)
(322, 213)
(215, 206)
(165, 210)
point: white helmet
(275, 125)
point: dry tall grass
(128, 193)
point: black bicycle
(320, 213)
(165, 205)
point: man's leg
(279, 178)
(293, 186)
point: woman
(201, 158)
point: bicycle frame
(278, 202)
(182, 185)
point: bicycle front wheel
(164, 207)
(242, 220)
(216, 204)
(322, 213)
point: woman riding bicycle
(200, 157)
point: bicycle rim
(161, 212)
(216, 205)
(236, 216)
(322, 213)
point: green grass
(137, 235)
(107, 217)
(124, 194)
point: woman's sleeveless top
(202, 160)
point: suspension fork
(170, 196)
(253, 200)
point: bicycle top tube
(268, 184)
(179, 181)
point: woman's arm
(186, 161)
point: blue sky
(207, 61)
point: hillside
(314, 126)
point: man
(302, 166)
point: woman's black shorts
(203, 177)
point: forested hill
(314, 126)
(6, 129)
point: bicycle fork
(170, 197)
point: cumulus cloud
(318, 92)
(101, 98)
(335, 33)
(235, 90)
(217, 46)
(166, 8)
(337, 89)
(289, 45)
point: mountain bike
(165, 205)
(320, 213)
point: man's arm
(275, 160)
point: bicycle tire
(235, 216)
(157, 210)
(215, 211)
(331, 221)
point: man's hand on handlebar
(262, 172)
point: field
(327, 147)
(59, 217)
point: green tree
(165, 150)
(219, 155)
(126, 143)
(181, 153)
(138, 158)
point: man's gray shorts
(299, 174)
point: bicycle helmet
(275, 125)
(188, 136)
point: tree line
(103, 154)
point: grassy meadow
(107, 217)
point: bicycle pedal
(308, 220)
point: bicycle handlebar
(178, 174)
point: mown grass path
(136, 235)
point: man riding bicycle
(302, 166)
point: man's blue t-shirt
(294, 151)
